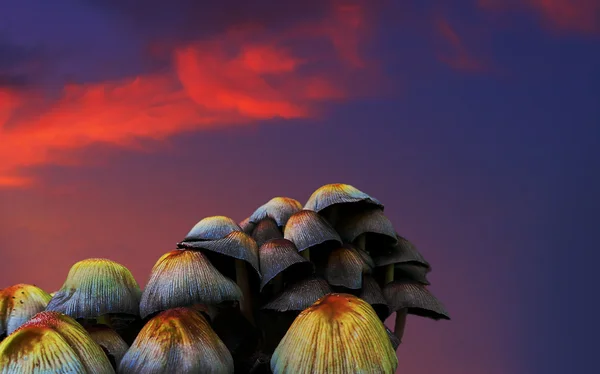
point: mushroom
(178, 340)
(334, 201)
(18, 304)
(52, 342)
(279, 256)
(307, 229)
(183, 278)
(265, 230)
(97, 288)
(279, 209)
(247, 226)
(221, 235)
(372, 294)
(339, 333)
(345, 267)
(410, 297)
(110, 341)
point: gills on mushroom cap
(338, 334)
(52, 342)
(178, 341)
(18, 304)
(279, 255)
(95, 287)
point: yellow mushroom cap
(52, 342)
(339, 333)
(178, 340)
(18, 304)
(97, 286)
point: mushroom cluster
(290, 289)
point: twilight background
(123, 123)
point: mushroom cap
(408, 270)
(97, 286)
(338, 193)
(52, 342)
(307, 229)
(279, 255)
(339, 333)
(345, 268)
(18, 304)
(372, 294)
(300, 295)
(212, 228)
(113, 345)
(402, 252)
(370, 221)
(279, 209)
(265, 230)
(236, 244)
(178, 341)
(416, 298)
(183, 278)
(247, 226)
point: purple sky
(477, 126)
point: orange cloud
(241, 76)
(564, 15)
(459, 57)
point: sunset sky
(477, 124)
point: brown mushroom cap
(402, 252)
(95, 287)
(339, 333)
(345, 268)
(113, 345)
(372, 294)
(212, 228)
(371, 222)
(183, 278)
(265, 230)
(279, 255)
(178, 340)
(415, 297)
(247, 226)
(307, 229)
(300, 295)
(279, 209)
(411, 271)
(337, 193)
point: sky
(477, 125)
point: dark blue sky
(477, 126)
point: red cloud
(242, 76)
(459, 57)
(565, 15)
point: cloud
(244, 74)
(457, 55)
(561, 15)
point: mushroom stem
(389, 274)
(306, 254)
(400, 323)
(104, 320)
(241, 274)
(361, 242)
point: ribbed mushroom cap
(416, 298)
(95, 287)
(300, 295)
(279, 209)
(416, 272)
(184, 278)
(393, 338)
(247, 226)
(345, 268)
(235, 244)
(265, 230)
(18, 304)
(337, 193)
(338, 334)
(52, 342)
(371, 222)
(307, 229)
(279, 255)
(113, 345)
(403, 252)
(178, 341)
(212, 228)
(372, 294)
